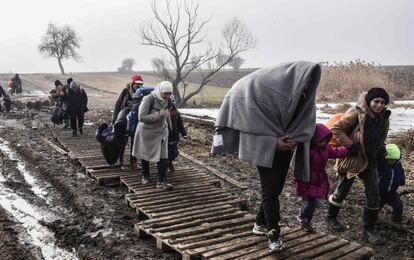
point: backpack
(132, 119)
(57, 116)
(335, 118)
(104, 133)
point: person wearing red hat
(124, 101)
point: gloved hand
(353, 150)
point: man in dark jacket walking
(77, 101)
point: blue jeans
(311, 204)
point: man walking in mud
(265, 117)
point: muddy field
(49, 208)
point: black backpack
(57, 116)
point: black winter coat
(390, 177)
(177, 126)
(124, 100)
(77, 100)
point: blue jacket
(390, 177)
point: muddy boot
(133, 162)
(332, 220)
(370, 235)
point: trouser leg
(272, 181)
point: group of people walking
(269, 117)
(156, 134)
(14, 86)
(71, 104)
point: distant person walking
(77, 101)
(264, 117)
(151, 136)
(17, 84)
(370, 122)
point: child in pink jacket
(318, 186)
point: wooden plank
(262, 251)
(289, 235)
(206, 227)
(200, 221)
(340, 252)
(151, 207)
(219, 232)
(322, 249)
(183, 215)
(214, 171)
(236, 201)
(229, 246)
(193, 208)
(360, 253)
(55, 147)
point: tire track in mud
(91, 220)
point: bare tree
(60, 43)
(127, 65)
(236, 62)
(181, 32)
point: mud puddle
(28, 215)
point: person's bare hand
(285, 144)
(163, 112)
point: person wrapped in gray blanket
(264, 118)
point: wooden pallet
(110, 177)
(198, 219)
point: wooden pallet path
(197, 218)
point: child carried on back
(317, 188)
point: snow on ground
(401, 118)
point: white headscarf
(163, 87)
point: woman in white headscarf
(151, 136)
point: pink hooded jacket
(318, 186)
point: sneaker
(145, 180)
(305, 224)
(275, 241)
(164, 185)
(259, 230)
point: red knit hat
(137, 79)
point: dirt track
(92, 222)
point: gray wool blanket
(267, 104)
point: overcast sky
(319, 30)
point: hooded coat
(151, 135)
(318, 186)
(124, 99)
(352, 166)
(267, 104)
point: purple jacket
(318, 186)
